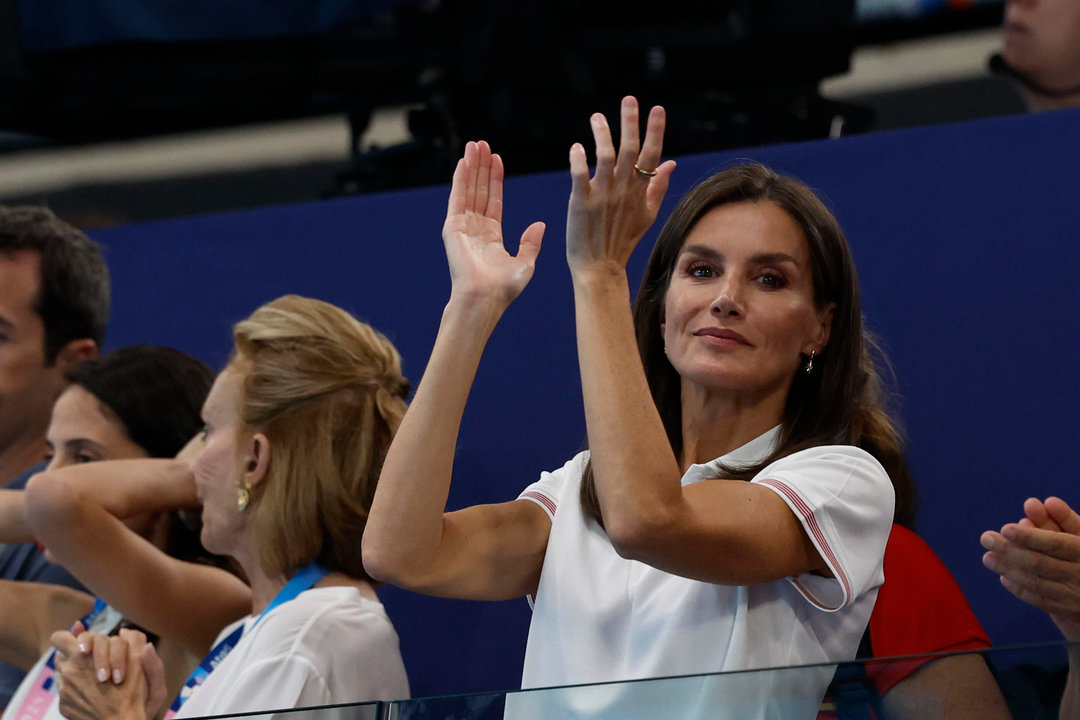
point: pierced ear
(825, 328)
(257, 461)
(75, 352)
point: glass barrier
(1031, 679)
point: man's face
(1042, 40)
(28, 386)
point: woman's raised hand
(480, 265)
(610, 213)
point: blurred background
(118, 111)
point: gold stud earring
(243, 497)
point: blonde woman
(297, 426)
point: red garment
(920, 609)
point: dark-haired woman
(135, 404)
(733, 509)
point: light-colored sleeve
(844, 500)
(548, 490)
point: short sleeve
(920, 609)
(547, 491)
(844, 500)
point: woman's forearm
(635, 470)
(30, 612)
(122, 487)
(403, 539)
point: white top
(36, 697)
(598, 617)
(327, 645)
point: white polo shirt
(598, 617)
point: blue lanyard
(301, 581)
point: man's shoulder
(19, 481)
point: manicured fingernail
(117, 676)
(83, 649)
(102, 675)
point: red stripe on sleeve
(544, 500)
(819, 537)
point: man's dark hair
(73, 297)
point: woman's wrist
(599, 277)
(478, 312)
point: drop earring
(243, 497)
(810, 363)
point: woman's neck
(264, 586)
(714, 423)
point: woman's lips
(722, 336)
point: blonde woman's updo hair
(328, 393)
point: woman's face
(217, 467)
(80, 431)
(739, 312)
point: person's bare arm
(723, 531)
(30, 613)
(489, 551)
(955, 687)
(187, 602)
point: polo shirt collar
(749, 454)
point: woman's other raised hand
(480, 265)
(610, 213)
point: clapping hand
(1038, 559)
(610, 213)
(480, 266)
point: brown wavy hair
(843, 401)
(328, 393)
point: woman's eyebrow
(76, 444)
(774, 258)
(702, 251)
(769, 258)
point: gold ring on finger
(643, 172)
